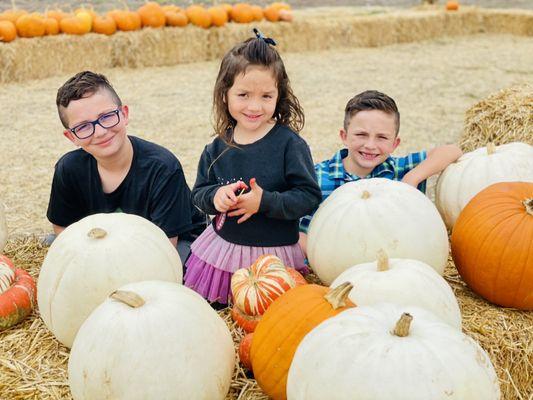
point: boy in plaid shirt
(370, 135)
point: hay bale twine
(503, 117)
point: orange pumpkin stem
(129, 298)
(528, 203)
(365, 195)
(97, 233)
(402, 326)
(337, 297)
(491, 148)
(383, 261)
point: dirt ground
(433, 82)
(102, 5)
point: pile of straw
(503, 117)
(312, 30)
(33, 364)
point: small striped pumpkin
(17, 293)
(256, 287)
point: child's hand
(248, 204)
(225, 197)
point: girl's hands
(248, 204)
(225, 197)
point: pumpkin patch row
(16, 22)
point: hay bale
(312, 30)
(33, 364)
(503, 117)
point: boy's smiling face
(370, 138)
(104, 143)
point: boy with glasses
(114, 172)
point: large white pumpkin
(93, 257)
(476, 170)
(362, 217)
(152, 340)
(404, 282)
(3, 228)
(376, 353)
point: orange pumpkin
(12, 15)
(271, 14)
(152, 15)
(17, 293)
(246, 322)
(256, 287)
(105, 25)
(228, 8)
(198, 16)
(8, 32)
(219, 16)
(176, 18)
(492, 244)
(126, 20)
(285, 15)
(30, 25)
(284, 325)
(51, 26)
(242, 13)
(74, 26)
(452, 5)
(244, 351)
(257, 12)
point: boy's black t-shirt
(154, 188)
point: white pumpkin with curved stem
(403, 282)
(478, 169)
(362, 217)
(93, 257)
(3, 228)
(380, 353)
(152, 340)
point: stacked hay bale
(503, 117)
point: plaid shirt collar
(337, 171)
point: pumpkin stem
(528, 203)
(365, 195)
(491, 148)
(97, 233)
(383, 261)
(337, 297)
(131, 299)
(402, 326)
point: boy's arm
(437, 160)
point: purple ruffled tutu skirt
(213, 261)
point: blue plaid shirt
(331, 174)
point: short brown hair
(81, 85)
(254, 51)
(371, 100)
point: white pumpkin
(376, 353)
(92, 258)
(362, 217)
(152, 340)
(404, 282)
(3, 228)
(476, 170)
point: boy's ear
(70, 136)
(343, 135)
(396, 143)
(125, 114)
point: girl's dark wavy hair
(254, 51)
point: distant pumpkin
(8, 33)
(12, 15)
(58, 15)
(51, 26)
(271, 14)
(152, 15)
(176, 18)
(105, 25)
(30, 25)
(199, 16)
(126, 20)
(74, 26)
(219, 16)
(242, 13)
(257, 11)
(452, 5)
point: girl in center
(256, 177)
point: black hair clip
(259, 35)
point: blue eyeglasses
(106, 121)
